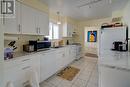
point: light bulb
(58, 22)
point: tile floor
(87, 77)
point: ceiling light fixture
(90, 3)
(58, 18)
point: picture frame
(92, 36)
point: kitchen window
(53, 31)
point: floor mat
(69, 73)
(91, 55)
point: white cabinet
(18, 75)
(73, 52)
(48, 65)
(60, 57)
(111, 77)
(12, 25)
(68, 30)
(36, 64)
(28, 20)
(42, 23)
(21, 70)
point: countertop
(18, 55)
(115, 59)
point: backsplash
(22, 39)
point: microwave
(40, 44)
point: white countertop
(115, 59)
(18, 55)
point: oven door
(40, 45)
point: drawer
(15, 62)
(18, 75)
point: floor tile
(87, 76)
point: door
(60, 56)
(48, 65)
(43, 23)
(13, 25)
(28, 20)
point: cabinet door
(48, 65)
(60, 56)
(28, 20)
(111, 77)
(43, 23)
(69, 30)
(67, 56)
(18, 75)
(36, 65)
(12, 25)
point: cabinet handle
(112, 67)
(26, 68)
(63, 55)
(19, 27)
(123, 69)
(39, 30)
(25, 60)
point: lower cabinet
(20, 74)
(112, 77)
(44, 64)
(48, 65)
(17, 75)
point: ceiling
(71, 8)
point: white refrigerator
(112, 65)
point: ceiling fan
(92, 2)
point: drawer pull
(123, 69)
(26, 68)
(25, 60)
(112, 67)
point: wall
(81, 32)
(22, 39)
(91, 47)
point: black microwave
(40, 44)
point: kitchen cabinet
(36, 64)
(28, 20)
(45, 64)
(13, 25)
(48, 65)
(60, 57)
(42, 23)
(68, 30)
(19, 73)
(112, 77)
(73, 52)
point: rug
(91, 55)
(68, 73)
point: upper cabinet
(42, 23)
(27, 21)
(68, 30)
(12, 25)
